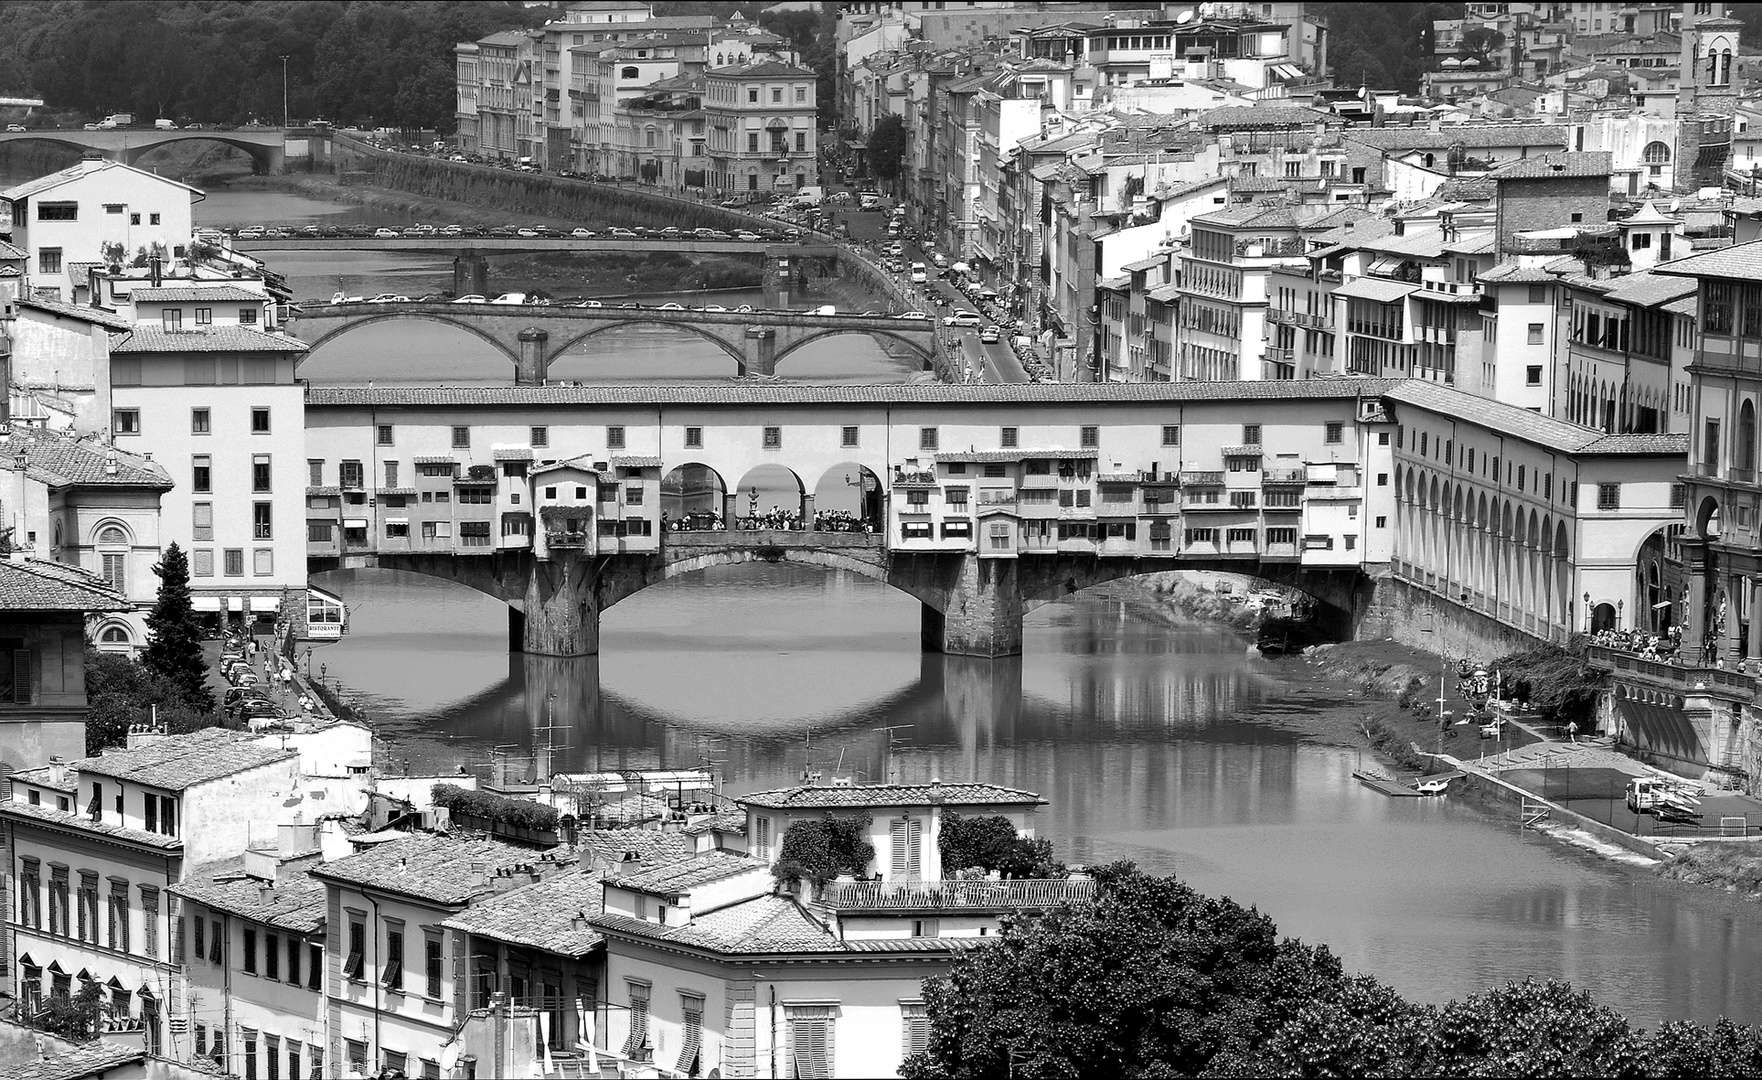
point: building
(97, 843)
(60, 370)
(762, 129)
(94, 213)
(219, 406)
(43, 611)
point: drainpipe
(373, 933)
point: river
(1152, 743)
(402, 351)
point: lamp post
(284, 90)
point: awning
(235, 603)
(205, 603)
(1322, 474)
(397, 521)
(265, 603)
(1377, 289)
(354, 523)
(961, 268)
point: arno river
(1156, 744)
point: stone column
(761, 351)
(532, 366)
(470, 274)
(562, 616)
(1753, 594)
(984, 612)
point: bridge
(270, 149)
(979, 502)
(435, 242)
(531, 337)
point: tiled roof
(636, 462)
(1237, 117)
(1377, 289)
(110, 320)
(80, 822)
(628, 845)
(440, 868)
(1543, 431)
(874, 795)
(75, 172)
(1650, 290)
(505, 38)
(31, 585)
(769, 69)
(1516, 273)
(177, 762)
(296, 902)
(512, 453)
(8, 251)
(172, 294)
(728, 821)
(1471, 136)
(540, 916)
(59, 459)
(762, 925)
(1575, 164)
(83, 1062)
(1738, 261)
(153, 339)
(668, 879)
(626, 394)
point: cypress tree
(175, 649)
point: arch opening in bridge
(770, 497)
(694, 497)
(811, 357)
(262, 162)
(638, 350)
(1328, 594)
(371, 347)
(849, 496)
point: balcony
(1193, 477)
(566, 539)
(1284, 475)
(1454, 290)
(981, 895)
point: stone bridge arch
(621, 583)
(732, 348)
(344, 325)
(264, 158)
(501, 575)
(822, 333)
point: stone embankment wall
(1411, 615)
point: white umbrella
(961, 268)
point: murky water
(1151, 743)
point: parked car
(472, 298)
(584, 234)
(672, 307)
(989, 335)
(385, 234)
(621, 234)
(913, 315)
(962, 318)
(588, 304)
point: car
(472, 298)
(389, 298)
(745, 309)
(919, 274)
(344, 298)
(259, 709)
(621, 234)
(14, 127)
(938, 300)
(962, 318)
(511, 298)
(871, 315)
(588, 304)
(584, 234)
(524, 232)
(628, 304)
(990, 335)
(385, 234)
(672, 307)
(913, 315)
(713, 307)
(671, 232)
(453, 230)
(746, 237)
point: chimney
(265, 894)
(57, 771)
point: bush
(1556, 681)
(1413, 693)
(520, 813)
(991, 843)
(822, 850)
(1393, 744)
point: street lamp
(284, 90)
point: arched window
(112, 534)
(630, 73)
(1655, 153)
(1746, 448)
(113, 556)
(114, 635)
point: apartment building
(43, 687)
(219, 407)
(762, 129)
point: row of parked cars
(246, 699)
(540, 300)
(370, 232)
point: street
(995, 363)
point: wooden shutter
(809, 1050)
(694, 1033)
(914, 849)
(914, 1029)
(21, 676)
(900, 860)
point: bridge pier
(983, 616)
(532, 366)
(761, 351)
(470, 274)
(562, 613)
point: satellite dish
(1186, 17)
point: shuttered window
(914, 1028)
(810, 1041)
(692, 1029)
(15, 678)
(907, 849)
(636, 1045)
(762, 838)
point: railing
(1286, 475)
(1030, 893)
(566, 539)
(1683, 676)
(1453, 288)
(1202, 477)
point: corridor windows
(461, 437)
(928, 439)
(539, 437)
(1089, 437)
(1251, 434)
(382, 434)
(1333, 433)
(694, 438)
(615, 437)
(1171, 434)
(848, 437)
(1007, 438)
(1609, 496)
(773, 439)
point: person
(1572, 731)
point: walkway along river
(1166, 744)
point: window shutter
(21, 676)
(900, 861)
(812, 1059)
(914, 849)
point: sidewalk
(285, 695)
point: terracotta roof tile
(153, 339)
(93, 1059)
(173, 294)
(295, 903)
(81, 823)
(763, 925)
(540, 916)
(667, 879)
(108, 319)
(873, 795)
(59, 459)
(437, 867)
(32, 585)
(177, 762)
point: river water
(406, 350)
(1152, 743)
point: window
(261, 519)
(752, 146)
(539, 436)
(1532, 375)
(382, 434)
(204, 316)
(752, 97)
(352, 965)
(260, 421)
(249, 946)
(1089, 437)
(393, 961)
(694, 438)
(116, 571)
(30, 897)
(1251, 434)
(315, 981)
(260, 472)
(58, 211)
(1171, 434)
(773, 438)
(250, 1039)
(356, 1050)
(294, 970)
(810, 1040)
(907, 846)
(1007, 438)
(271, 956)
(1333, 433)
(199, 422)
(848, 437)
(126, 421)
(636, 1045)
(235, 562)
(461, 437)
(431, 964)
(776, 95)
(615, 437)
(152, 219)
(247, 316)
(49, 262)
(1609, 496)
(955, 497)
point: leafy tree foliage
(1382, 46)
(821, 850)
(219, 61)
(1483, 41)
(74, 1016)
(887, 146)
(1155, 980)
(121, 692)
(174, 652)
(991, 843)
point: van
(869, 200)
(920, 273)
(510, 298)
(824, 309)
(163, 124)
(810, 196)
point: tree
(174, 651)
(74, 1016)
(887, 146)
(991, 843)
(1483, 41)
(1153, 979)
(821, 850)
(1539, 1029)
